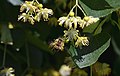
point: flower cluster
(71, 34)
(88, 20)
(7, 72)
(82, 41)
(72, 23)
(33, 11)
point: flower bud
(40, 6)
(71, 14)
(86, 18)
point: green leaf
(115, 40)
(99, 28)
(99, 8)
(115, 23)
(118, 24)
(6, 35)
(89, 55)
(36, 41)
(91, 28)
(72, 51)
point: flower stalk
(4, 55)
(77, 6)
(91, 70)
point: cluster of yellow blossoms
(33, 11)
(72, 23)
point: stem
(71, 10)
(36, 1)
(91, 70)
(76, 11)
(81, 10)
(4, 56)
(76, 7)
(27, 54)
(76, 2)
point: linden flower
(90, 20)
(58, 44)
(8, 71)
(65, 70)
(82, 24)
(82, 41)
(33, 11)
(70, 22)
(46, 12)
(24, 17)
(43, 13)
(71, 34)
(39, 6)
(28, 6)
(62, 20)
